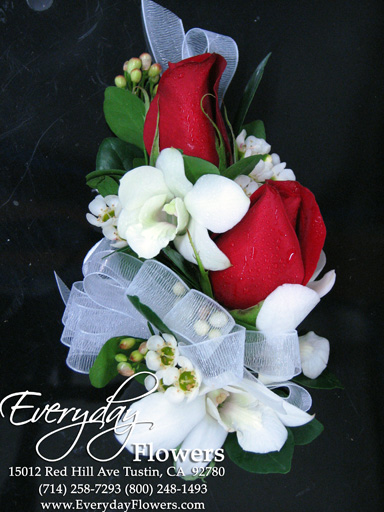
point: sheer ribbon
(168, 42)
(98, 308)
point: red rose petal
(182, 124)
(264, 251)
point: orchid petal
(258, 427)
(170, 162)
(139, 185)
(314, 354)
(286, 307)
(207, 435)
(210, 255)
(177, 209)
(320, 265)
(293, 416)
(160, 422)
(147, 243)
(323, 285)
(217, 203)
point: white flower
(269, 168)
(104, 213)
(251, 145)
(314, 354)
(255, 413)
(160, 205)
(162, 352)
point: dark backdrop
(321, 101)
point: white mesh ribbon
(276, 356)
(169, 43)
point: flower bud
(125, 66)
(132, 64)
(127, 343)
(136, 356)
(143, 349)
(155, 70)
(136, 76)
(146, 61)
(120, 82)
(121, 358)
(125, 369)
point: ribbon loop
(169, 43)
(276, 356)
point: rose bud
(120, 82)
(146, 61)
(278, 241)
(182, 124)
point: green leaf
(249, 93)
(243, 166)
(255, 128)
(235, 149)
(155, 151)
(187, 269)
(116, 154)
(247, 317)
(197, 167)
(205, 283)
(307, 433)
(138, 162)
(273, 462)
(219, 141)
(325, 381)
(125, 113)
(108, 186)
(149, 314)
(105, 181)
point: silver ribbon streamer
(169, 43)
(98, 309)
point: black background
(321, 101)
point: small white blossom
(162, 352)
(252, 145)
(272, 168)
(104, 214)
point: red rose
(278, 241)
(182, 124)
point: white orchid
(287, 306)
(255, 413)
(160, 204)
(314, 354)
(104, 214)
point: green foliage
(255, 128)
(325, 381)
(187, 271)
(106, 182)
(273, 462)
(307, 433)
(247, 317)
(196, 167)
(116, 154)
(155, 151)
(125, 113)
(243, 166)
(205, 283)
(249, 93)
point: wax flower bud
(136, 76)
(136, 356)
(132, 64)
(146, 61)
(120, 82)
(125, 369)
(154, 70)
(127, 343)
(121, 358)
(143, 349)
